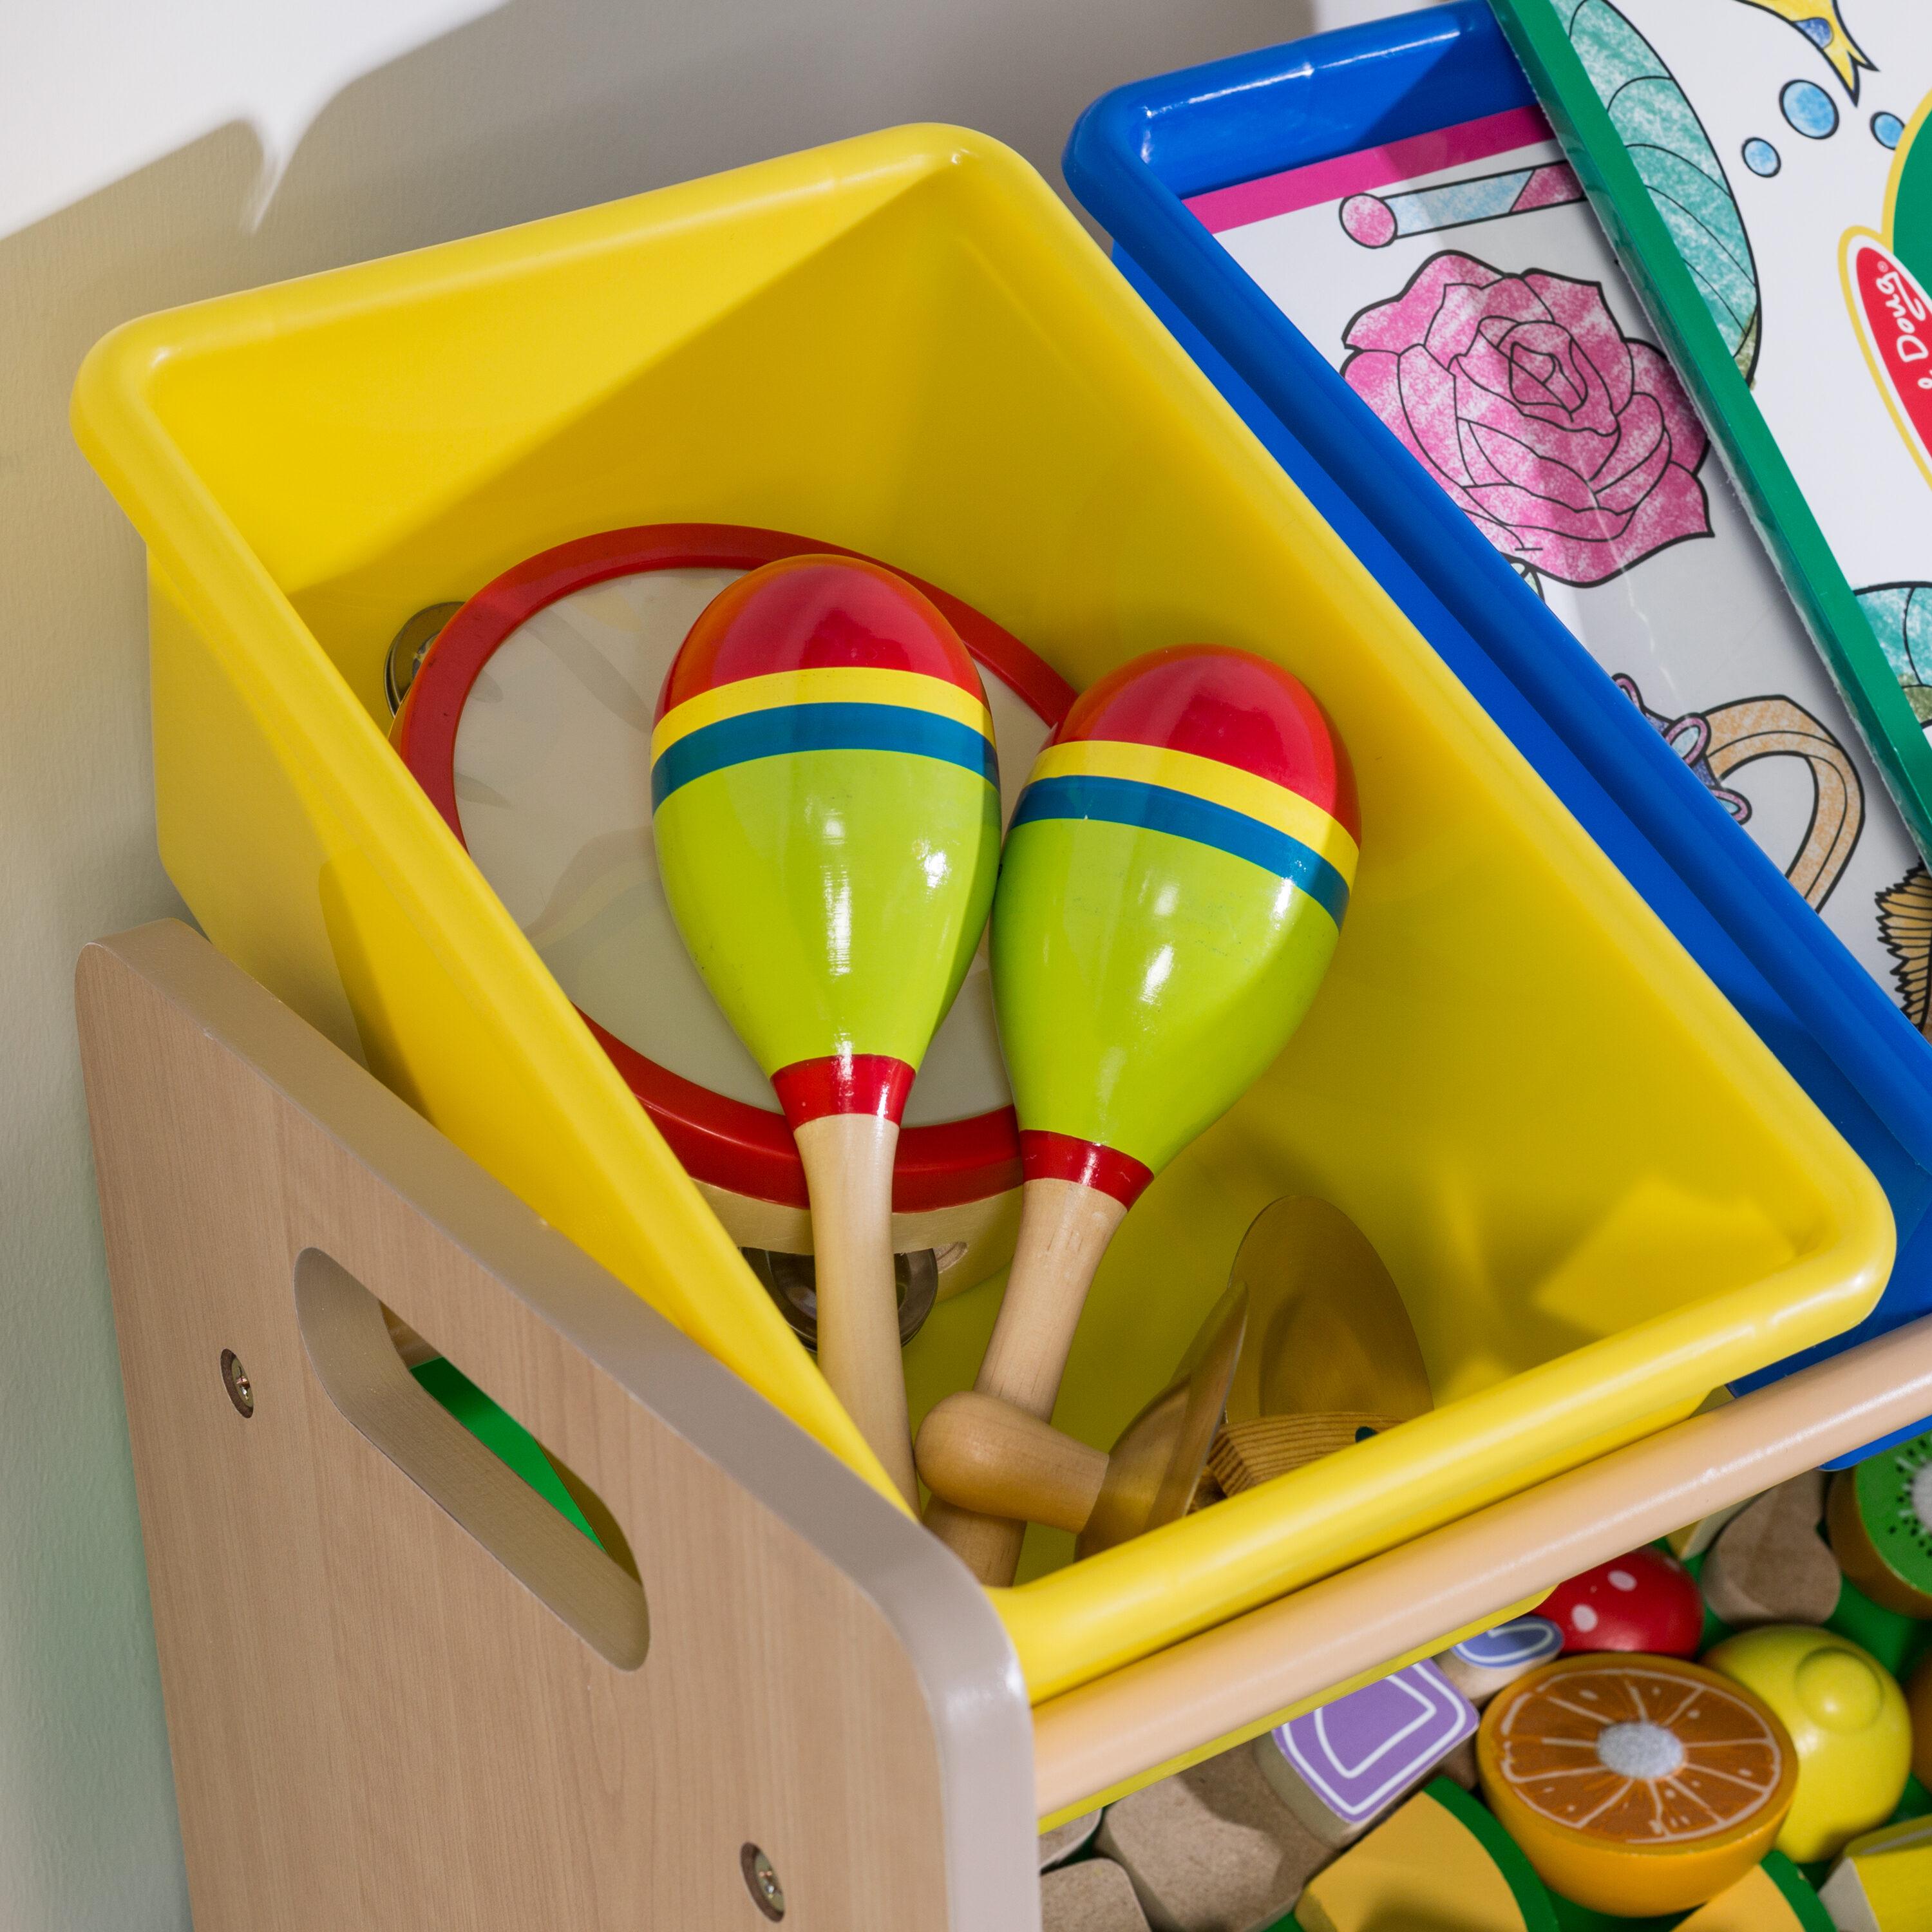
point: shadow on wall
(541, 105)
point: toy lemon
(1635, 1785)
(1847, 1720)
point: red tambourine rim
(721, 1142)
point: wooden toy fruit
(1769, 1565)
(1772, 1896)
(1847, 1721)
(1440, 1862)
(989, 1457)
(1095, 1896)
(1694, 1538)
(1060, 1844)
(826, 810)
(1879, 1519)
(1211, 1846)
(1641, 1600)
(1170, 894)
(1883, 1881)
(1636, 1784)
(1480, 1666)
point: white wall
(151, 154)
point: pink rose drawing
(1572, 446)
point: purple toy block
(1340, 1767)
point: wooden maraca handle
(848, 1174)
(981, 1454)
(1065, 1227)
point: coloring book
(1759, 166)
(1460, 283)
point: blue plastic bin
(1134, 157)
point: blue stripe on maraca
(821, 728)
(1156, 809)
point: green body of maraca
(827, 822)
(1172, 893)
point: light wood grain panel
(375, 1723)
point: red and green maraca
(1172, 889)
(825, 801)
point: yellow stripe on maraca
(836, 684)
(1243, 791)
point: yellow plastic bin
(1600, 1195)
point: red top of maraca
(1240, 709)
(816, 613)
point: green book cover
(1759, 166)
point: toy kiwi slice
(1879, 1519)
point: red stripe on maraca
(1051, 1157)
(843, 1083)
(1244, 712)
(817, 613)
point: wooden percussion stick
(998, 1459)
(981, 1454)
(848, 1172)
(1065, 1226)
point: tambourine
(525, 715)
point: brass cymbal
(1331, 1332)
(1156, 1464)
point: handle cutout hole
(536, 1516)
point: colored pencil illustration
(1824, 26)
(1374, 220)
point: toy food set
(1772, 1896)
(1644, 1601)
(1316, 222)
(1480, 1666)
(1340, 1768)
(1882, 1880)
(1095, 1896)
(1880, 1514)
(1440, 1861)
(1212, 1846)
(1846, 1720)
(1064, 1841)
(1769, 1564)
(1636, 1784)
(1559, 1189)
(1749, 157)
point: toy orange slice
(1635, 1785)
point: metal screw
(762, 1882)
(235, 1380)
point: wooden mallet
(1171, 891)
(984, 1455)
(825, 805)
